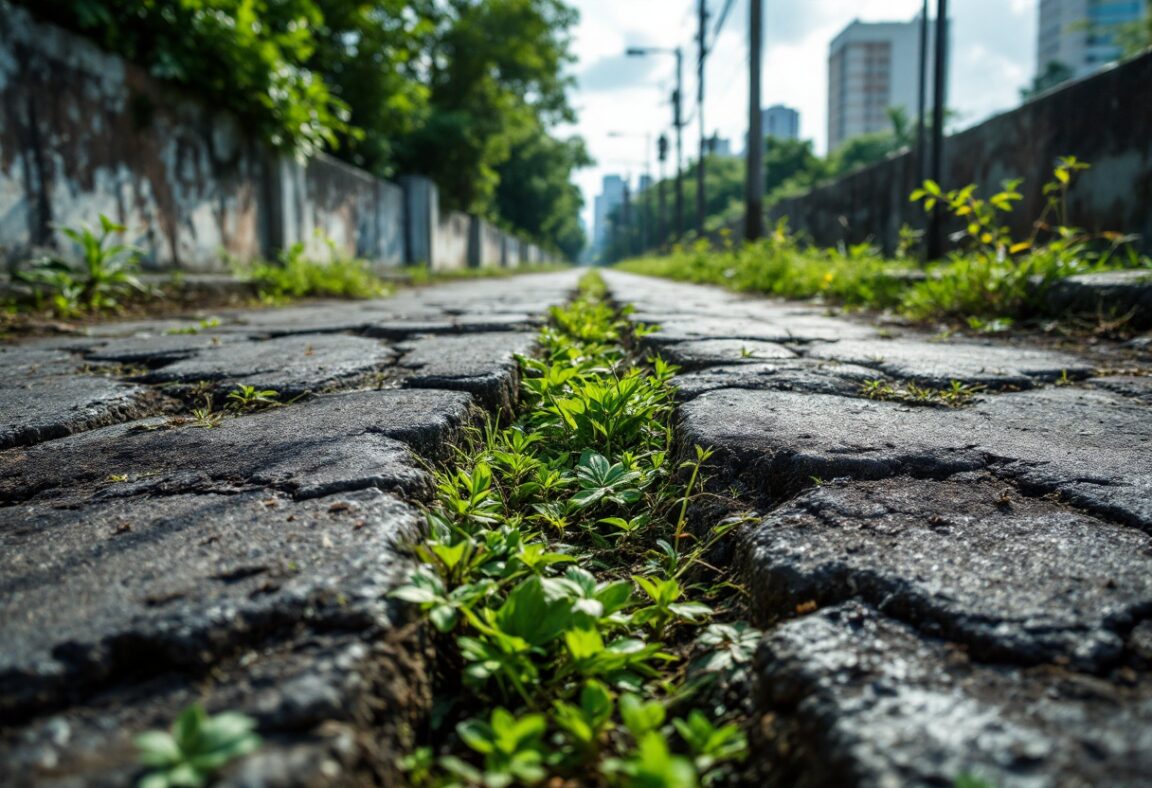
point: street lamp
(677, 122)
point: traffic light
(662, 147)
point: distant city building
(610, 198)
(780, 122)
(1079, 34)
(719, 146)
(872, 67)
(645, 183)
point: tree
(1054, 74)
(370, 53)
(789, 165)
(497, 70)
(536, 194)
(252, 56)
(1135, 37)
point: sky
(994, 49)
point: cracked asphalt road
(942, 590)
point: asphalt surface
(943, 590)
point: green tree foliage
(790, 165)
(497, 72)
(371, 53)
(463, 91)
(535, 192)
(1054, 74)
(1136, 37)
(250, 55)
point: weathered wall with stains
(1105, 120)
(486, 244)
(336, 209)
(83, 133)
(452, 241)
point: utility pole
(939, 89)
(629, 246)
(922, 105)
(702, 48)
(754, 175)
(678, 121)
(661, 222)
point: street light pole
(677, 122)
(679, 143)
(939, 89)
(922, 107)
(662, 221)
(701, 207)
(754, 177)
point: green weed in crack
(956, 395)
(196, 747)
(558, 571)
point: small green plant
(967, 780)
(956, 395)
(195, 748)
(206, 323)
(295, 275)
(514, 750)
(205, 418)
(107, 273)
(245, 399)
(665, 605)
(710, 744)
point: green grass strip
(578, 620)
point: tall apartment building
(780, 122)
(610, 198)
(1079, 33)
(873, 66)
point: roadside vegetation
(579, 623)
(992, 281)
(102, 279)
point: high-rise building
(720, 146)
(610, 198)
(1079, 34)
(873, 67)
(780, 122)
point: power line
(720, 23)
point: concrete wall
(485, 244)
(450, 241)
(84, 133)
(1105, 120)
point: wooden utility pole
(754, 174)
(629, 236)
(678, 100)
(940, 98)
(702, 49)
(662, 221)
(922, 103)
